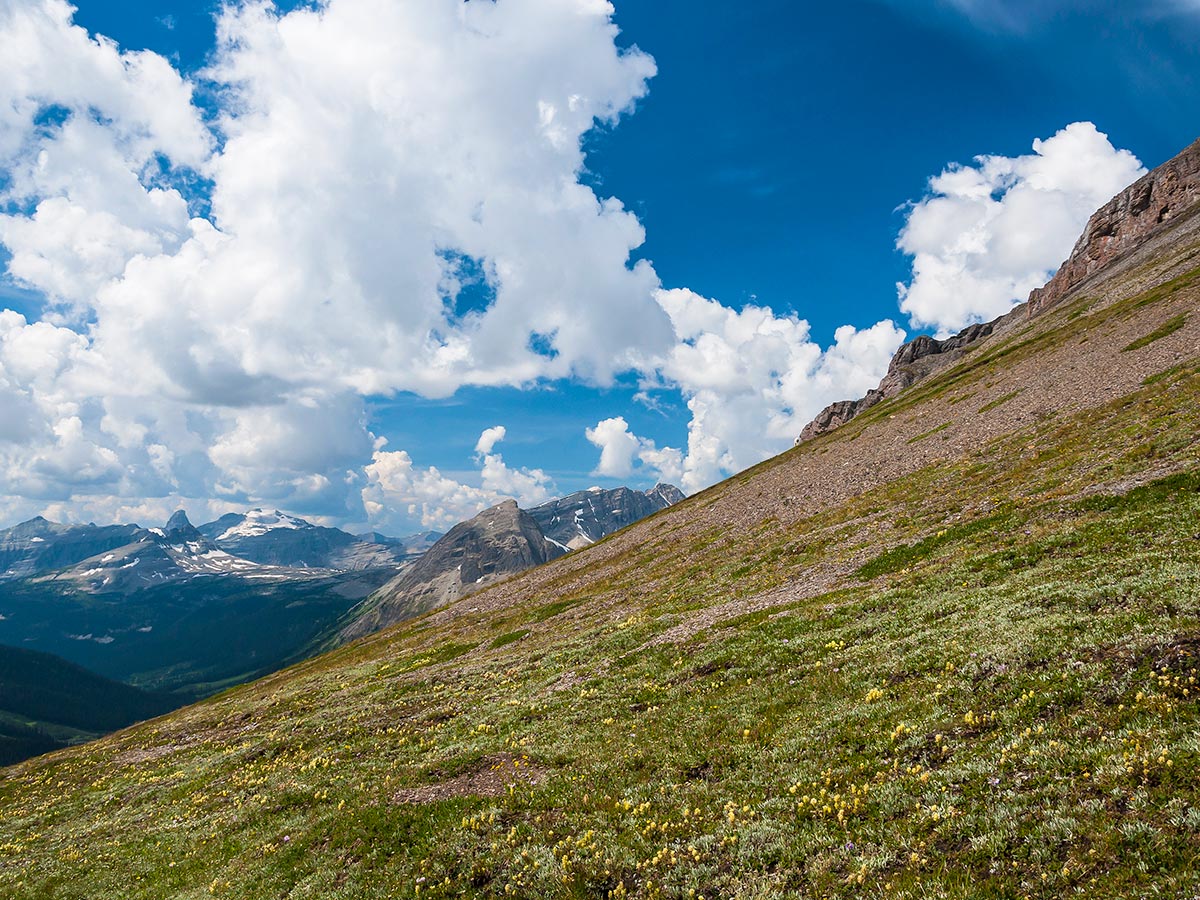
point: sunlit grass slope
(976, 677)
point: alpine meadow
(599, 450)
(945, 649)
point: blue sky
(773, 153)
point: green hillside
(47, 703)
(21, 739)
(949, 650)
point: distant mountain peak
(500, 541)
(39, 545)
(259, 513)
(179, 521)
(585, 517)
(38, 525)
(409, 545)
(259, 521)
(272, 537)
(179, 529)
(667, 492)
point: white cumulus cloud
(365, 156)
(752, 379)
(490, 438)
(528, 487)
(93, 179)
(989, 233)
(624, 454)
(618, 447)
(399, 493)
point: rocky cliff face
(912, 362)
(1124, 223)
(585, 517)
(499, 541)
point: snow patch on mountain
(258, 522)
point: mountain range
(189, 610)
(500, 542)
(182, 609)
(275, 539)
(41, 546)
(945, 648)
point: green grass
(550, 610)
(1169, 327)
(996, 699)
(906, 555)
(512, 637)
(929, 433)
(998, 402)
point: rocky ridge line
(1121, 225)
(913, 361)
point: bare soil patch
(491, 777)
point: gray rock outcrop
(1124, 223)
(911, 363)
(585, 517)
(498, 542)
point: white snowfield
(201, 558)
(258, 521)
(161, 562)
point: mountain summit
(273, 538)
(180, 530)
(497, 542)
(585, 517)
(502, 541)
(38, 546)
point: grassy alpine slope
(949, 650)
